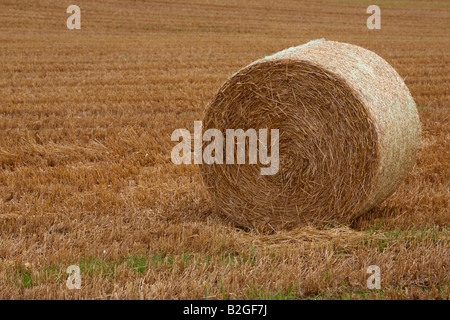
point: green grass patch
(93, 266)
(23, 278)
(422, 108)
(388, 237)
(27, 277)
(254, 293)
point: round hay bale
(348, 128)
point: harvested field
(86, 176)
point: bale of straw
(348, 128)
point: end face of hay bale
(348, 136)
